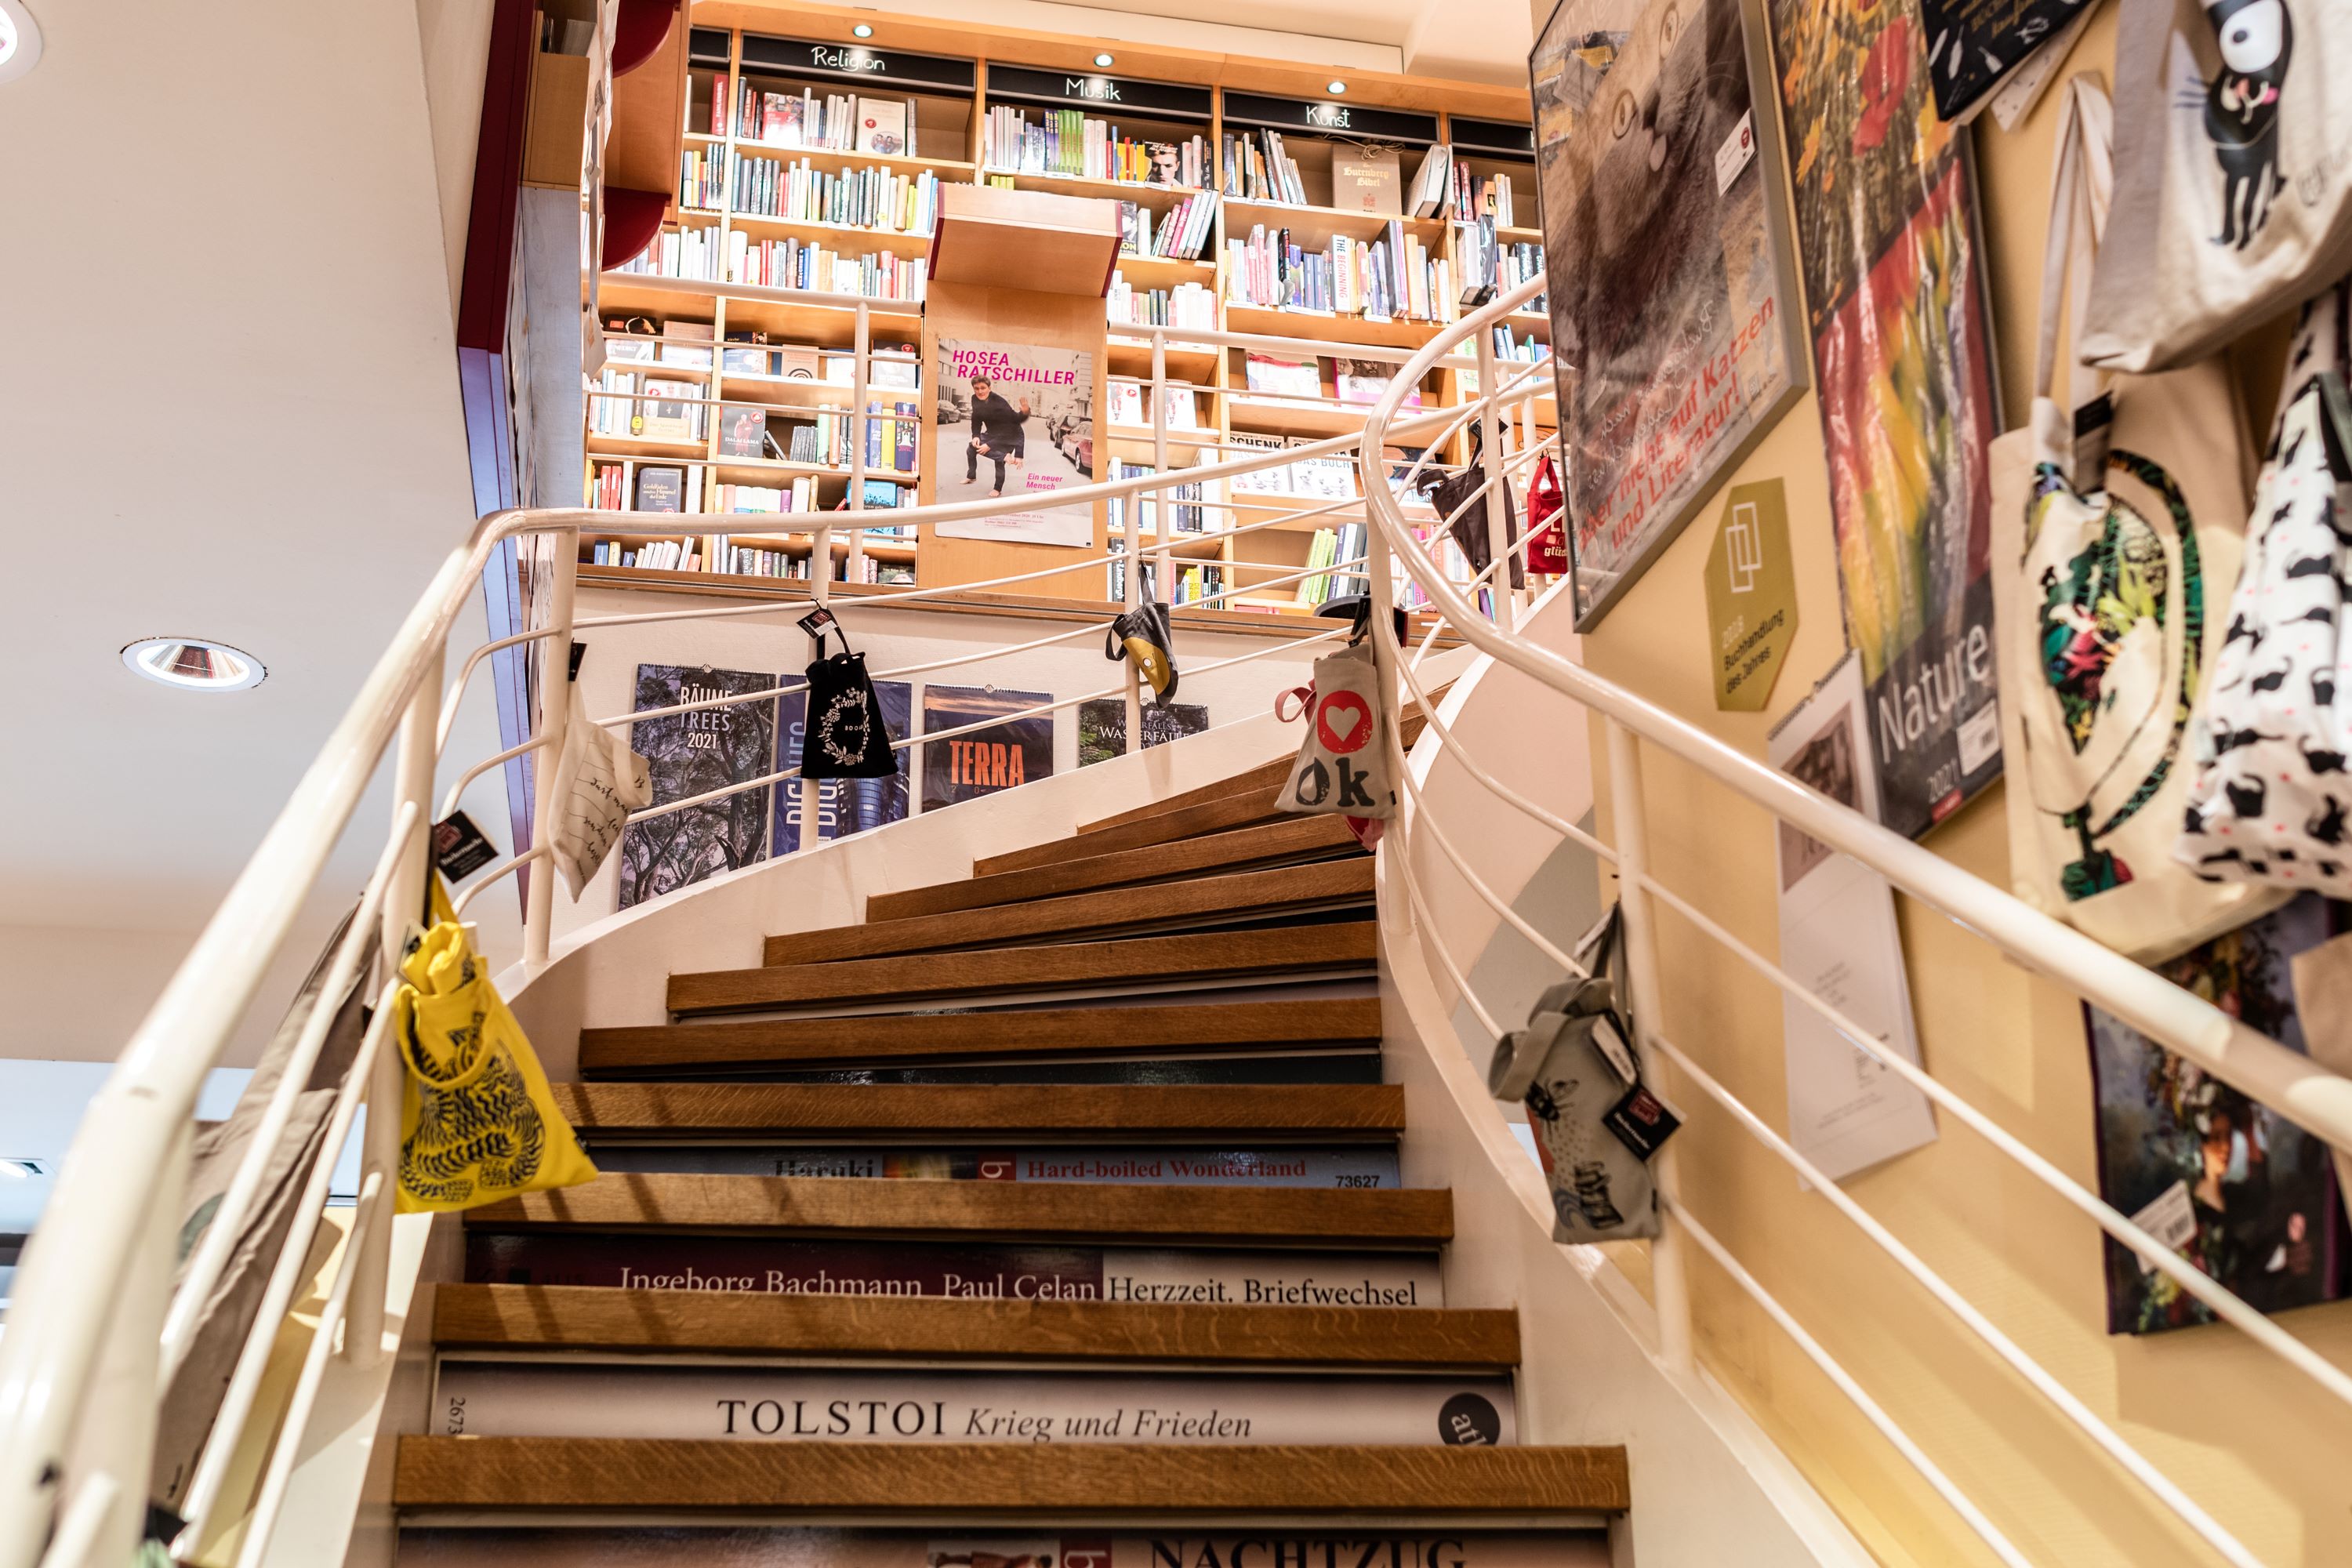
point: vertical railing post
(812, 792)
(1669, 1282)
(546, 763)
(404, 906)
(1499, 535)
(861, 383)
(114, 1437)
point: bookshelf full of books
(813, 163)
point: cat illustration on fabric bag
(2241, 111)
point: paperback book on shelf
(743, 433)
(1258, 481)
(1364, 382)
(1070, 143)
(661, 490)
(1126, 403)
(883, 124)
(1281, 374)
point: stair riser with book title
(811, 164)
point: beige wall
(2249, 1443)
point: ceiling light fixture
(1335, 87)
(20, 40)
(862, 31)
(194, 663)
(1102, 60)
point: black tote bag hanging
(1448, 491)
(846, 738)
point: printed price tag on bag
(817, 622)
(1611, 1045)
(460, 849)
(1643, 1122)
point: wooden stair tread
(974, 1479)
(1223, 815)
(1241, 893)
(1010, 1111)
(1159, 865)
(1001, 1211)
(984, 971)
(566, 1316)
(911, 1036)
(1265, 776)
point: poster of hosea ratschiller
(1014, 419)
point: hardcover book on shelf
(796, 364)
(1431, 182)
(896, 375)
(1183, 409)
(661, 490)
(1290, 377)
(669, 412)
(743, 433)
(1259, 481)
(1126, 403)
(882, 126)
(1367, 182)
(629, 351)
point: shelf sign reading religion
(1673, 291)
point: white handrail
(2197, 1031)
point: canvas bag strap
(2082, 188)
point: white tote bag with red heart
(1343, 764)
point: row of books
(1177, 235)
(1193, 581)
(648, 408)
(1490, 266)
(1185, 514)
(1129, 405)
(822, 440)
(678, 253)
(1473, 198)
(1258, 168)
(1390, 278)
(884, 370)
(797, 263)
(701, 180)
(1071, 142)
(1186, 305)
(833, 121)
(1331, 547)
(863, 198)
(678, 487)
(689, 555)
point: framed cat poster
(1674, 313)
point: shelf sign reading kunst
(1902, 347)
(1015, 419)
(1672, 293)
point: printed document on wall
(1837, 937)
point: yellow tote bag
(477, 1122)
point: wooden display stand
(1019, 268)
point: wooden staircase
(1164, 1030)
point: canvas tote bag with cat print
(2272, 791)
(2113, 556)
(2233, 190)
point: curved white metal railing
(93, 1304)
(2204, 1035)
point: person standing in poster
(998, 433)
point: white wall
(233, 413)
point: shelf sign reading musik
(1170, 98)
(1308, 114)
(894, 67)
(1492, 136)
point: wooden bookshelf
(951, 76)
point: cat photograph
(1671, 301)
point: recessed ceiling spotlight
(1335, 87)
(194, 663)
(862, 31)
(1102, 60)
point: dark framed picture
(1676, 335)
